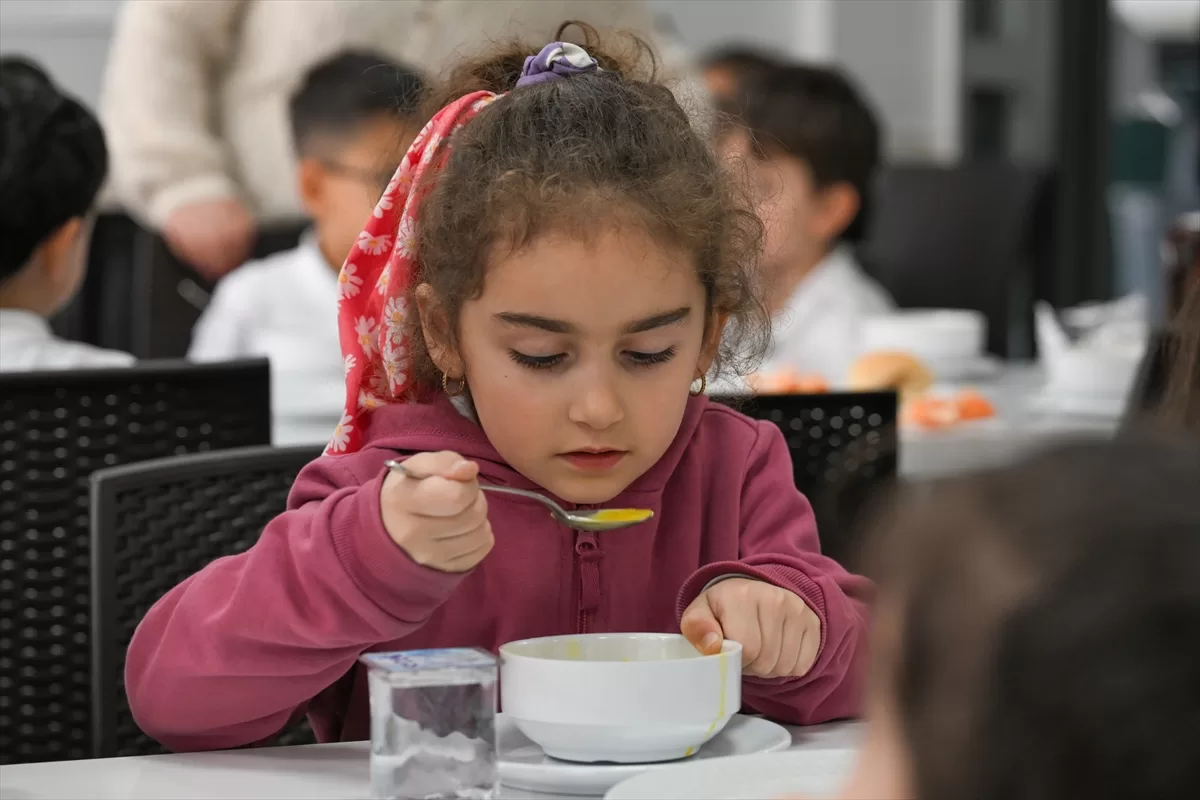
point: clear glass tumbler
(433, 724)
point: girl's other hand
(438, 516)
(780, 635)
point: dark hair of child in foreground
(1038, 632)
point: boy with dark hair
(811, 146)
(52, 163)
(352, 119)
(728, 69)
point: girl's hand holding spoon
(438, 516)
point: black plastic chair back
(56, 428)
(844, 450)
(169, 296)
(960, 237)
(153, 525)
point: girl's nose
(597, 404)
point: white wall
(67, 37)
(706, 24)
(1020, 61)
(905, 53)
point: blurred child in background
(352, 118)
(810, 146)
(1036, 633)
(52, 162)
(727, 71)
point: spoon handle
(397, 466)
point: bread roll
(890, 370)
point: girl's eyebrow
(650, 323)
(517, 320)
(659, 320)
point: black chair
(844, 451)
(154, 524)
(967, 237)
(138, 297)
(56, 428)
(99, 314)
(169, 296)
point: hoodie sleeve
(778, 544)
(229, 656)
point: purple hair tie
(557, 60)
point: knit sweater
(196, 93)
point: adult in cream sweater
(195, 99)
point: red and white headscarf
(376, 277)
(375, 280)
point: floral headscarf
(374, 281)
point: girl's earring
(703, 387)
(456, 390)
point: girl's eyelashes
(650, 359)
(536, 362)
(636, 358)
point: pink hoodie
(250, 642)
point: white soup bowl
(628, 698)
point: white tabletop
(313, 772)
(1017, 428)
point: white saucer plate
(523, 765)
(959, 370)
(812, 773)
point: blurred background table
(316, 771)
(1017, 428)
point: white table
(307, 415)
(1016, 430)
(313, 772)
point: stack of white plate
(949, 342)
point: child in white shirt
(351, 119)
(811, 146)
(52, 163)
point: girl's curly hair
(579, 156)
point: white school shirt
(283, 307)
(27, 343)
(819, 330)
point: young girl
(543, 323)
(1036, 634)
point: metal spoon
(600, 519)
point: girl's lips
(584, 460)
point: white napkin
(1052, 340)
(1119, 328)
(1103, 359)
